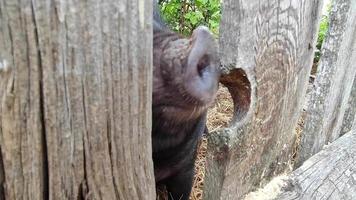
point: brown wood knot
(239, 87)
(221, 155)
(310, 46)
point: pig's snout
(202, 72)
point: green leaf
(197, 12)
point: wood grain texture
(349, 120)
(330, 174)
(272, 41)
(21, 128)
(332, 86)
(75, 92)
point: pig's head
(185, 75)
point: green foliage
(323, 29)
(324, 25)
(185, 15)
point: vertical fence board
(75, 92)
(20, 119)
(332, 87)
(273, 42)
(349, 121)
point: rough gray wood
(330, 174)
(75, 93)
(349, 120)
(273, 43)
(332, 86)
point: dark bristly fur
(179, 109)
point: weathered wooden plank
(272, 41)
(332, 86)
(349, 120)
(75, 92)
(330, 174)
(21, 128)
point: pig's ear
(202, 71)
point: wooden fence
(75, 116)
(75, 94)
(273, 42)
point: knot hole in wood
(239, 87)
